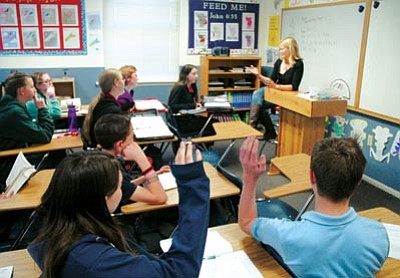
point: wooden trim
(361, 63)
(325, 5)
(377, 115)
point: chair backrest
(230, 176)
(86, 145)
(278, 258)
(171, 122)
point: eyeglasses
(45, 81)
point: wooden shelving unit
(64, 87)
(210, 63)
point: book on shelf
(216, 70)
(240, 99)
(238, 69)
(217, 98)
(20, 173)
(216, 85)
(219, 259)
(222, 117)
(216, 102)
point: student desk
(391, 268)
(264, 262)
(63, 143)
(30, 195)
(25, 267)
(220, 187)
(228, 131)
(297, 169)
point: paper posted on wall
(20, 173)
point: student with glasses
(45, 90)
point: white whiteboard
(380, 90)
(329, 39)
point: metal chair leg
(305, 206)
(24, 230)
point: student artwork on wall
(223, 23)
(42, 27)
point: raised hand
(253, 166)
(184, 154)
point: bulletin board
(228, 23)
(42, 27)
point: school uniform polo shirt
(326, 246)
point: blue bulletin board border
(226, 23)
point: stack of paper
(146, 104)
(216, 102)
(236, 264)
(216, 245)
(394, 240)
(74, 101)
(219, 260)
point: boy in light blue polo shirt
(331, 241)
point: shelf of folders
(239, 99)
(225, 117)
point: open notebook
(20, 173)
(219, 259)
(150, 128)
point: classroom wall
(383, 164)
(86, 68)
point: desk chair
(86, 145)
(172, 122)
(274, 208)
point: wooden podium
(302, 120)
